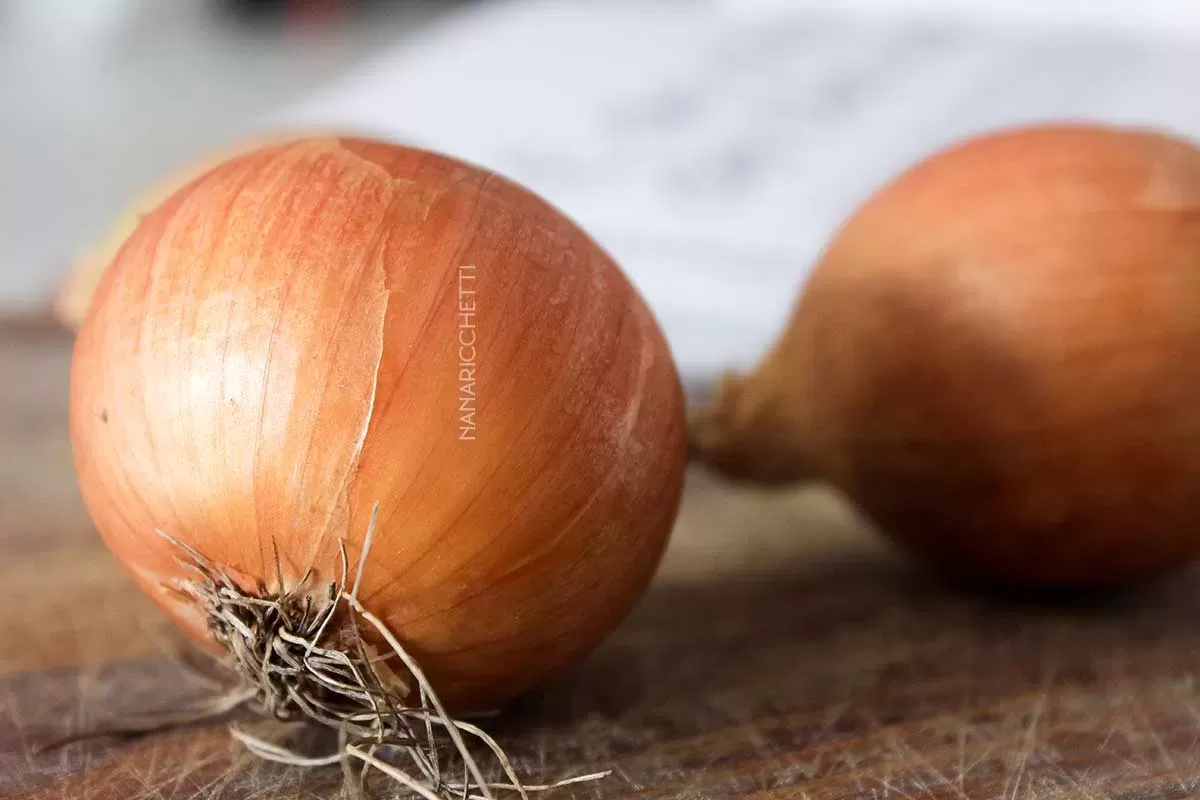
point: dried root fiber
(299, 655)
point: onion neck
(755, 428)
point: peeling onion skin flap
(998, 360)
(276, 348)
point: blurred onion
(998, 360)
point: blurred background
(713, 147)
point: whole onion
(998, 360)
(318, 327)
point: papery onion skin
(998, 360)
(277, 347)
(75, 293)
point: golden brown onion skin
(276, 347)
(75, 293)
(998, 360)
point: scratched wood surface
(782, 652)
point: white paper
(714, 149)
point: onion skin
(75, 293)
(998, 360)
(275, 348)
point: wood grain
(782, 652)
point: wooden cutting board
(782, 652)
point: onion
(998, 360)
(317, 328)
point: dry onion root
(998, 360)
(329, 347)
(299, 653)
